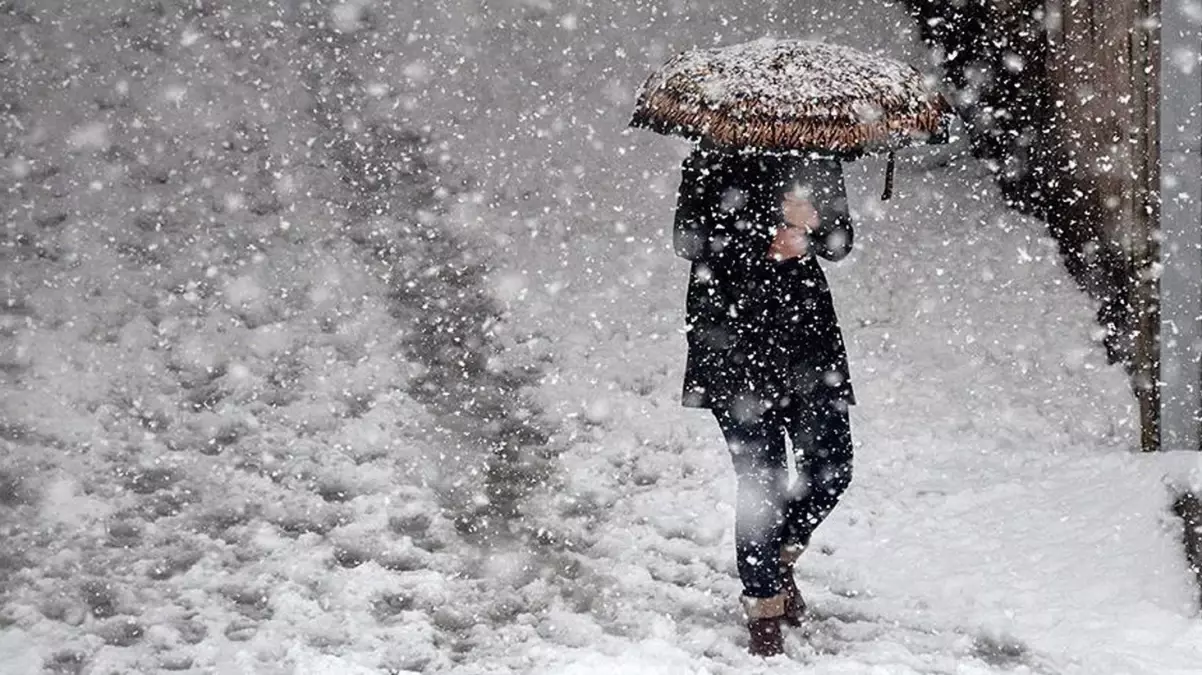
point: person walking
(766, 355)
(761, 199)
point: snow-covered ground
(235, 438)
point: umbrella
(793, 95)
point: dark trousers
(769, 512)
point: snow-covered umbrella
(793, 95)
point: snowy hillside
(346, 338)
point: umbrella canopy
(792, 95)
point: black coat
(760, 332)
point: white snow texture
(346, 337)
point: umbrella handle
(888, 179)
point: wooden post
(1144, 245)
(1104, 64)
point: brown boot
(763, 623)
(795, 605)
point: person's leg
(821, 435)
(757, 450)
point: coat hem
(696, 403)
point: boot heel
(764, 616)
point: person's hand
(789, 242)
(799, 212)
(792, 241)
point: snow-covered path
(997, 521)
